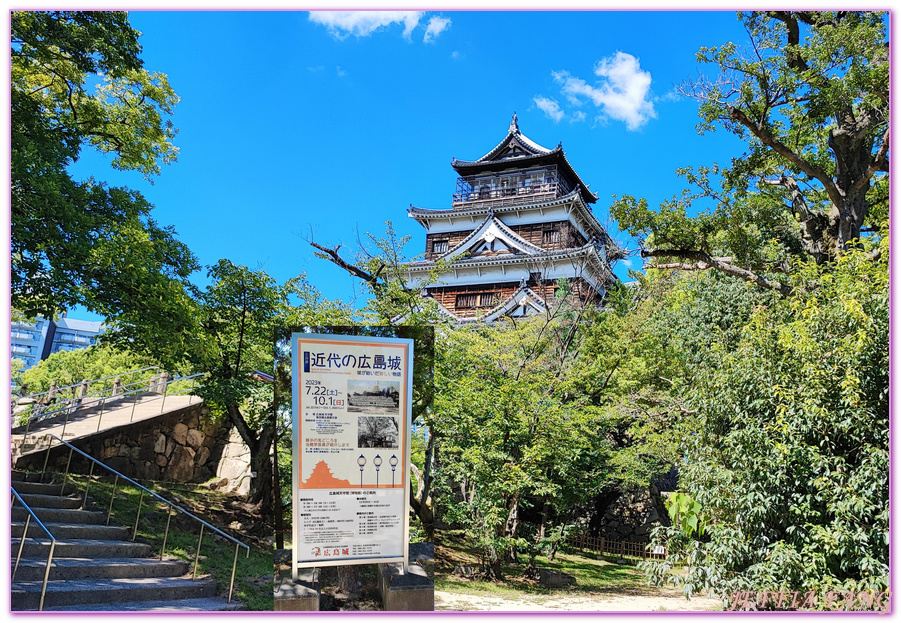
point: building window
(440, 246)
(471, 301)
(550, 236)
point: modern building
(520, 220)
(29, 340)
(33, 341)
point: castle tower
(520, 220)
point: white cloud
(577, 116)
(622, 93)
(436, 26)
(342, 24)
(550, 107)
(455, 55)
(340, 71)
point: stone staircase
(94, 566)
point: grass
(253, 575)
(594, 576)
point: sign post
(352, 417)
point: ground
(603, 585)
(655, 599)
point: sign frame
(398, 346)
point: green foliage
(83, 242)
(809, 95)
(71, 367)
(686, 513)
(509, 434)
(789, 459)
(241, 314)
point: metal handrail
(102, 378)
(169, 503)
(70, 405)
(22, 544)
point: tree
(71, 367)
(240, 314)
(810, 95)
(84, 242)
(804, 393)
(520, 452)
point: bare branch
(767, 138)
(876, 165)
(332, 256)
(703, 258)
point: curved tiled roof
(476, 233)
(536, 154)
(589, 251)
(522, 293)
(575, 197)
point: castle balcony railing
(516, 188)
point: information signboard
(351, 430)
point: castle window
(550, 236)
(440, 246)
(471, 301)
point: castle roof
(488, 230)
(574, 202)
(591, 256)
(518, 150)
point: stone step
(26, 595)
(20, 476)
(205, 604)
(60, 515)
(105, 568)
(43, 488)
(72, 531)
(82, 548)
(37, 500)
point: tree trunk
(277, 507)
(419, 501)
(260, 460)
(348, 579)
(511, 527)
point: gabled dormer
(491, 237)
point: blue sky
(332, 123)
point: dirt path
(662, 600)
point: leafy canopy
(77, 80)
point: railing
(28, 517)
(547, 190)
(617, 548)
(115, 395)
(45, 398)
(171, 505)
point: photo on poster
(378, 397)
(377, 432)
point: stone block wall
(632, 516)
(184, 446)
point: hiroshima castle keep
(520, 221)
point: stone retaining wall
(183, 446)
(632, 515)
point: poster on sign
(351, 425)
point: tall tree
(240, 314)
(788, 459)
(77, 80)
(513, 436)
(810, 95)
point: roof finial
(514, 125)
